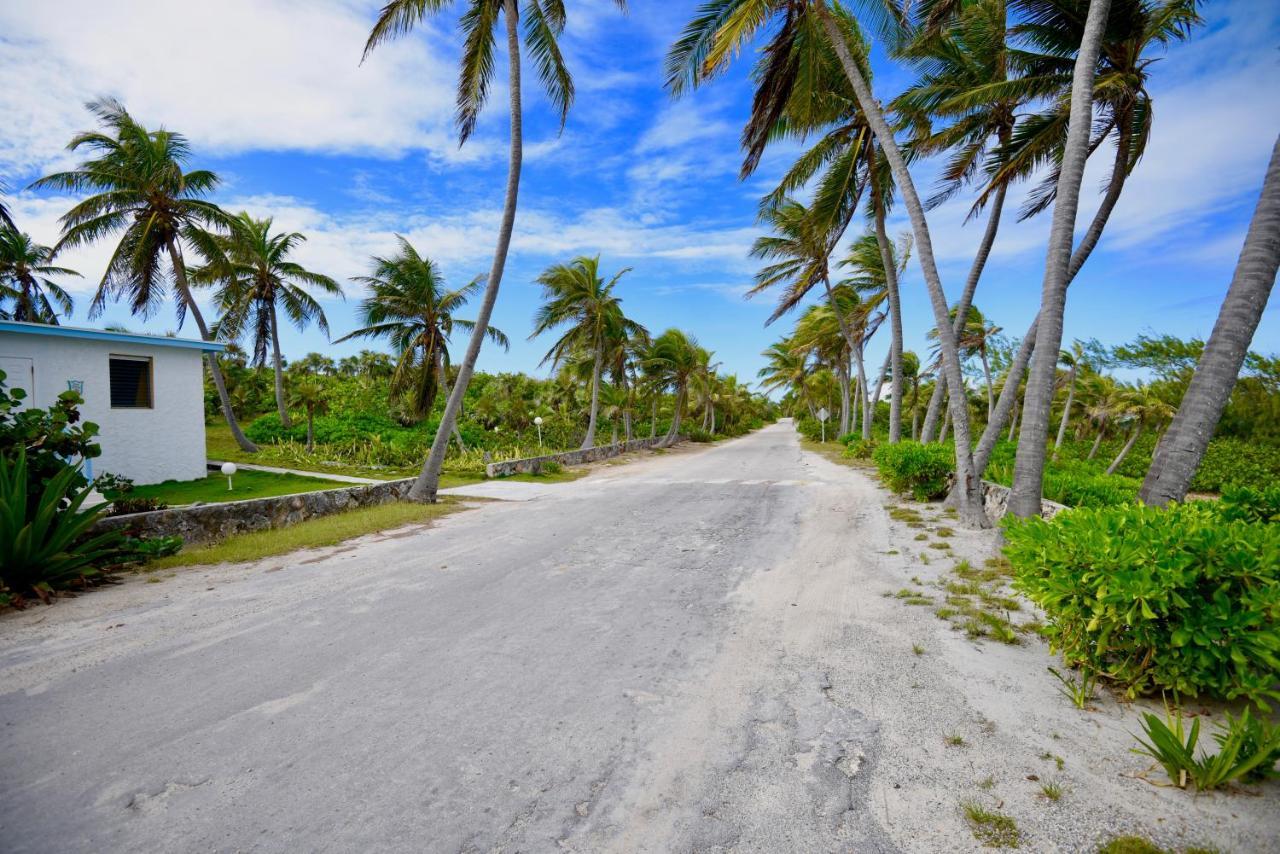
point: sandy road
(687, 653)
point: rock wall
(202, 523)
(995, 499)
(533, 465)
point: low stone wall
(533, 465)
(202, 523)
(995, 499)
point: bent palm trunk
(1124, 452)
(1179, 453)
(428, 482)
(215, 370)
(1026, 496)
(895, 325)
(590, 440)
(1066, 411)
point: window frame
(151, 379)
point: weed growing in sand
(1248, 749)
(991, 828)
(1051, 790)
(893, 552)
(924, 559)
(1078, 691)
(987, 783)
(921, 537)
(941, 545)
(915, 579)
(954, 739)
(1057, 760)
(945, 613)
(917, 649)
(945, 532)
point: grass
(1057, 760)
(1051, 791)
(991, 828)
(954, 739)
(313, 533)
(917, 649)
(987, 782)
(245, 484)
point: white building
(145, 393)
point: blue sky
(273, 98)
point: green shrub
(1233, 462)
(48, 546)
(1248, 748)
(861, 449)
(1246, 504)
(125, 505)
(697, 434)
(54, 439)
(1174, 599)
(143, 549)
(923, 470)
(811, 429)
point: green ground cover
(213, 489)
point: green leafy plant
(125, 505)
(1155, 599)
(923, 470)
(1246, 504)
(860, 449)
(47, 547)
(991, 828)
(54, 440)
(1079, 691)
(143, 549)
(1248, 748)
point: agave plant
(45, 548)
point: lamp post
(538, 423)
(823, 415)
(228, 469)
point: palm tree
(1143, 408)
(576, 295)
(544, 22)
(256, 278)
(674, 359)
(142, 193)
(6, 218)
(784, 368)
(25, 269)
(718, 33)
(1073, 359)
(818, 334)
(308, 394)
(911, 376)
(1179, 453)
(409, 305)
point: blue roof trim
(104, 335)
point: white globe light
(538, 421)
(228, 469)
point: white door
(20, 372)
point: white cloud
(234, 75)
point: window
(130, 382)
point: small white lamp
(538, 422)
(228, 469)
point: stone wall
(533, 465)
(995, 499)
(202, 523)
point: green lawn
(313, 533)
(245, 484)
(220, 446)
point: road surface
(638, 661)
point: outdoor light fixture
(228, 469)
(537, 421)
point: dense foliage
(50, 438)
(1178, 599)
(923, 470)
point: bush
(143, 549)
(1232, 462)
(53, 440)
(697, 434)
(810, 428)
(861, 449)
(1245, 504)
(1174, 599)
(329, 429)
(923, 470)
(124, 505)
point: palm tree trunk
(895, 320)
(1066, 410)
(629, 402)
(653, 419)
(713, 417)
(1097, 440)
(311, 432)
(675, 418)
(285, 422)
(968, 492)
(946, 423)
(1179, 453)
(590, 440)
(884, 372)
(215, 370)
(1128, 446)
(864, 395)
(966, 300)
(1013, 424)
(442, 380)
(991, 389)
(1026, 496)
(428, 482)
(842, 371)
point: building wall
(149, 445)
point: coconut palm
(784, 368)
(308, 394)
(1073, 359)
(25, 269)
(674, 359)
(410, 306)
(818, 335)
(1179, 454)
(1144, 409)
(256, 278)
(140, 191)
(576, 297)
(719, 32)
(543, 23)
